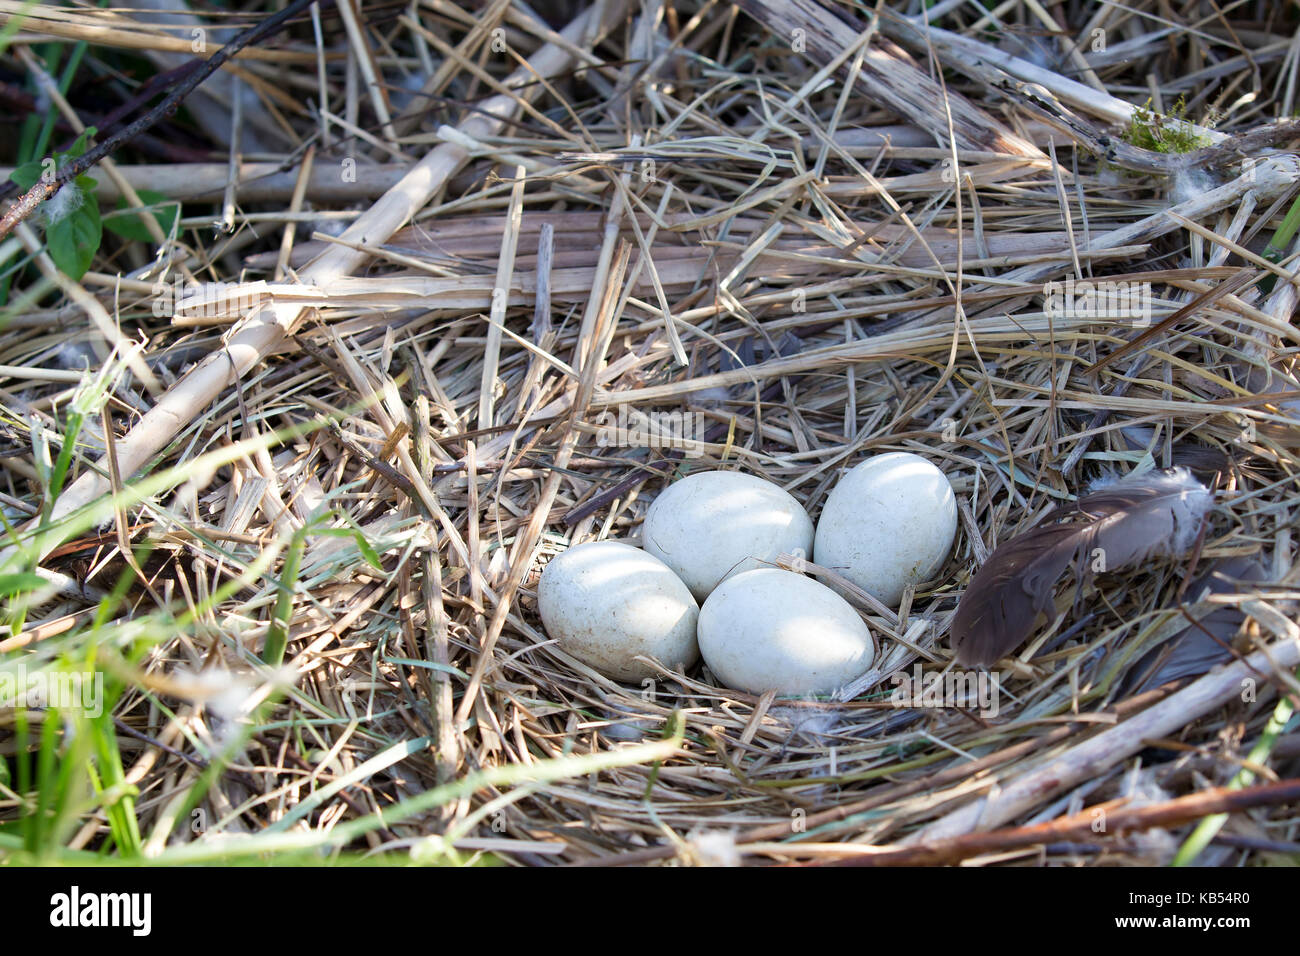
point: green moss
(1163, 134)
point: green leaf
(25, 176)
(133, 226)
(73, 240)
(368, 552)
(277, 636)
(78, 148)
(11, 584)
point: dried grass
(732, 239)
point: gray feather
(1192, 651)
(1116, 526)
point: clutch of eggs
(712, 537)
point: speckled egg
(772, 629)
(713, 524)
(607, 602)
(889, 522)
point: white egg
(888, 523)
(607, 602)
(772, 629)
(718, 523)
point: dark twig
(130, 731)
(1119, 820)
(1115, 150)
(109, 123)
(1205, 299)
(42, 190)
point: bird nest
(295, 521)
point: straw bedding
(814, 270)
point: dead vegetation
(352, 401)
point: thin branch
(42, 190)
(1089, 824)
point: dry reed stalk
(49, 21)
(500, 301)
(1119, 820)
(797, 253)
(1091, 758)
(263, 330)
(887, 75)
